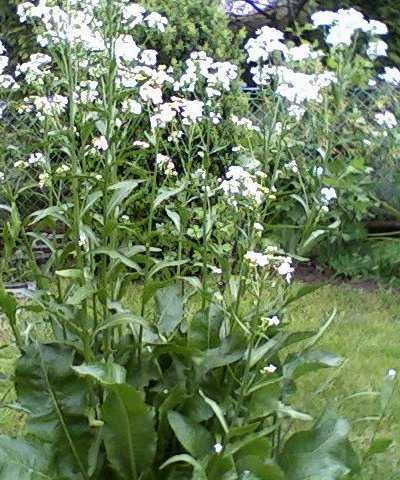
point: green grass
(366, 331)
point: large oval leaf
(129, 435)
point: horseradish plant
(159, 363)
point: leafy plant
(191, 378)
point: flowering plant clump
(164, 297)
(325, 116)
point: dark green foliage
(18, 37)
(194, 25)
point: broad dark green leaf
(232, 349)
(323, 453)
(255, 467)
(194, 437)
(56, 397)
(129, 435)
(24, 460)
(170, 309)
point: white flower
(20, 164)
(392, 373)
(35, 158)
(244, 122)
(141, 144)
(285, 269)
(86, 92)
(391, 75)
(302, 52)
(131, 106)
(269, 369)
(273, 321)
(149, 93)
(378, 28)
(318, 171)
(2, 176)
(386, 119)
(257, 259)
(324, 18)
(258, 227)
(215, 270)
(149, 57)
(240, 183)
(292, 165)
(328, 194)
(165, 163)
(62, 169)
(155, 20)
(218, 447)
(44, 179)
(100, 143)
(132, 15)
(377, 48)
(126, 48)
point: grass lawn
(366, 332)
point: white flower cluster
(166, 164)
(86, 92)
(283, 265)
(239, 183)
(269, 40)
(6, 81)
(296, 87)
(44, 106)
(391, 75)
(190, 111)
(217, 75)
(343, 24)
(34, 71)
(386, 119)
(134, 14)
(328, 195)
(245, 123)
(75, 26)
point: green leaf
(176, 219)
(79, 295)
(166, 193)
(24, 460)
(232, 349)
(70, 273)
(129, 435)
(311, 241)
(106, 373)
(115, 255)
(122, 319)
(299, 364)
(217, 410)
(8, 305)
(122, 191)
(323, 453)
(192, 436)
(165, 264)
(170, 309)
(379, 445)
(55, 396)
(254, 467)
(264, 400)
